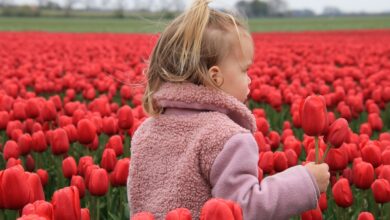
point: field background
(141, 24)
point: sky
(317, 6)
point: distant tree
(331, 11)
(254, 8)
(277, 7)
(69, 6)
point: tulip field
(70, 103)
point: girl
(198, 144)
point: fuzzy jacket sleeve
(234, 176)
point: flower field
(69, 104)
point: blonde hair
(191, 44)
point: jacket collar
(198, 97)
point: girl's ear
(216, 75)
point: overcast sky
(315, 5)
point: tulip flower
(342, 193)
(14, 188)
(40, 208)
(314, 214)
(66, 203)
(110, 126)
(31, 217)
(115, 142)
(25, 144)
(337, 159)
(381, 190)
(143, 216)
(69, 167)
(32, 108)
(119, 176)
(280, 161)
(338, 132)
(363, 175)
(313, 109)
(179, 214)
(86, 131)
(11, 149)
(125, 117)
(84, 162)
(39, 143)
(85, 214)
(108, 159)
(98, 182)
(266, 161)
(59, 142)
(371, 153)
(43, 175)
(78, 182)
(323, 202)
(220, 209)
(262, 125)
(49, 112)
(366, 216)
(4, 119)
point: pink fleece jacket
(202, 147)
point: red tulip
(15, 191)
(25, 144)
(292, 158)
(86, 131)
(11, 149)
(108, 159)
(266, 161)
(280, 161)
(220, 209)
(32, 108)
(85, 214)
(337, 159)
(39, 143)
(40, 208)
(19, 110)
(4, 119)
(365, 128)
(78, 181)
(179, 214)
(48, 111)
(323, 202)
(13, 162)
(342, 193)
(313, 109)
(371, 153)
(66, 203)
(69, 167)
(125, 117)
(338, 132)
(119, 176)
(363, 175)
(143, 216)
(366, 216)
(375, 121)
(71, 132)
(83, 163)
(43, 175)
(98, 182)
(381, 190)
(274, 139)
(262, 125)
(110, 126)
(59, 142)
(35, 186)
(30, 163)
(115, 142)
(314, 214)
(385, 173)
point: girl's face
(234, 68)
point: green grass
(144, 25)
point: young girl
(198, 144)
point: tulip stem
(97, 208)
(326, 153)
(317, 151)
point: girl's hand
(320, 173)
